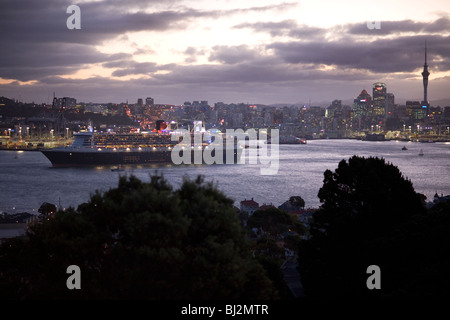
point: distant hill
(349, 102)
(4, 101)
(440, 102)
(22, 217)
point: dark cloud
(402, 54)
(237, 83)
(39, 43)
(441, 25)
(264, 70)
(99, 22)
(284, 28)
(38, 46)
(282, 7)
(192, 54)
(233, 54)
(32, 61)
(44, 21)
(126, 68)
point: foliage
(139, 241)
(371, 215)
(47, 208)
(297, 201)
(273, 221)
(277, 230)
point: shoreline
(416, 140)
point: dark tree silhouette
(274, 221)
(297, 201)
(368, 211)
(139, 241)
(47, 208)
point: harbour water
(27, 179)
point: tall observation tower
(425, 75)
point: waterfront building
(415, 110)
(64, 103)
(249, 206)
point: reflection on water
(27, 179)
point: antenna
(425, 52)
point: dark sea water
(27, 179)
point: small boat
(119, 168)
(421, 152)
(404, 148)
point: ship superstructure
(97, 149)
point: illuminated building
(362, 105)
(379, 99)
(415, 110)
(390, 102)
(149, 102)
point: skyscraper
(361, 105)
(390, 102)
(425, 75)
(149, 102)
(379, 99)
(361, 109)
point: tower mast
(425, 75)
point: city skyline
(261, 52)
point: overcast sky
(255, 51)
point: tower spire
(425, 75)
(425, 53)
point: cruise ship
(117, 149)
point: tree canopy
(273, 221)
(140, 240)
(371, 215)
(47, 208)
(367, 192)
(297, 201)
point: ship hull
(77, 158)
